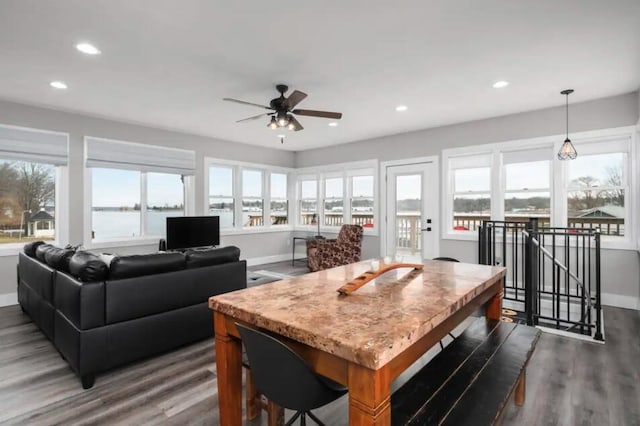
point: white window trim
(630, 241)
(238, 166)
(344, 171)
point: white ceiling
(168, 63)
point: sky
(116, 188)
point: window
(252, 202)
(343, 193)
(522, 179)
(527, 191)
(471, 197)
(32, 186)
(308, 202)
(115, 209)
(27, 201)
(279, 202)
(596, 188)
(134, 188)
(362, 200)
(333, 202)
(221, 199)
(261, 191)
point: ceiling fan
(281, 110)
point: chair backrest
(446, 259)
(350, 234)
(282, 375)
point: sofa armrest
(81, 303)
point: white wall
(620, 268)
(78, 126)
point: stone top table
(363, 340)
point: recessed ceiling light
(500, 84)
(88, 48)
(58, 85)
(333, 124)
(401, 108)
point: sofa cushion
(88, 267)
(42, 250)
(145, 264)
(30, 248)
(210, 257)
(58, 258)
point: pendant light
(567, 151)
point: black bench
(471, 380)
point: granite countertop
(370, 326)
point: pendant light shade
(567, 150)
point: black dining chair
(446, 259)
(282, 376)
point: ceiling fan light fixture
(282, 119)
(272, 124)
(567, 150)
(290, 126)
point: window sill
(12, 249)
(255, 230)
(132, 242)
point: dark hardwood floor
(569, 382)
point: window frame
(346, 171)
(558, 179)
(61, 182)
(144, 238)
(238, 167)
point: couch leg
(88, 381)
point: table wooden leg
(229, 372)
(275, 414)
(369, 396)
(521, 389)
(493, 308)
(252, 401)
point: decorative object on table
(567, 150)
(329, 253)
(281, 110)
(362, 279)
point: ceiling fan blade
(322, 114)
(255, 117)
(294, 99)
(246, 103)
(296, 124)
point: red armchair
(325, 254)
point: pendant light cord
(567, 110)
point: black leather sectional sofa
(101, 316)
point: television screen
(192, 231)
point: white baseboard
(8, 299)
(620, 301)
(268, 259)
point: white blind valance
(38, 146)
(527, 155)
(112, 154)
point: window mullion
(143, 203)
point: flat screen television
(192, 231)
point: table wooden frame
(369, 390)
